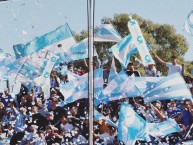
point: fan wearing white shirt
(174, 67)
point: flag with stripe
(122, 86)
(145, 83)
(131, 126)
(78, 51)
(171, 87)
(55, 41)
(124, 49)
(188, 25)
(164, 128)
(44, 79)
(107, 33)
(79, 90)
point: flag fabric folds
(55, 41)
(79, 89)
(98, 116)
(131, 126)
(188, 25)
(171, 87)
(123, 50)
(164, 128)
(76, 52)
(44, 79)
(122, 86)
(140, 42)
(107, 33)
(145, 83)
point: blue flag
(107, 33)
(55, 41)
(164, 128)
(131, 126)
(120, 87)
(124, 49)
(79, 90)
(171, 87)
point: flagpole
(90, 18)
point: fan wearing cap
(173, 66)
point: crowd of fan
(30, 119)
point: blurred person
(6, 98)
(150, 70)
(173, 67)
(51, 136)
(158, 114)
(131, 70)
(173, 111)
(37, 118)
(187, 114)
(54, 81)
(78, 138)
(65, 125)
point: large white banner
(140, 42)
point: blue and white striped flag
(188, 25)
(122, 86)
(107, 33)
(55, 41)
(79, 90)
(171, 87)
(145, 83)
(44, 79)
(78, 51)
(131, 126)
(98, 116)
(124, 49)
(164, 128)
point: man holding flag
(174, 67)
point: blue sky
(22, 20)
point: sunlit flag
(188, 25)
(107, 33)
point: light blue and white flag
(55, 41)
(164, 128)
(44, 79)
(140, 42)
(107, 33)
(145, 83)
(188, 25)
(131, 126)
(113, 71)
(79, 90)
(78, 51)
(171, 87)
(122, 86)
(98, 116)
(124, 49)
